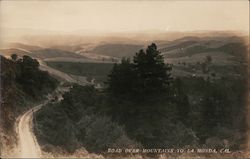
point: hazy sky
(116, 16)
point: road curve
(55, 72)
(28, 145)
(63, 76)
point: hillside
(117, 50)
(39, 52)
(188, 46)
(20, 88)
(188, 56)
(54, 53)
(8, 52)
(178, 113)
(24, 46)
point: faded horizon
(125, 16)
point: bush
(102, 134)
(54, 127)
(73, 123)
(177, 135)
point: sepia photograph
(142, 79)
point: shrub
(102, 134)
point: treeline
(144, 106)
(22, 83)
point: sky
(125, 15)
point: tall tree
(148, 74)
(153, 75)
(121, 78)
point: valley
(196, 63)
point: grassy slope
(52, 53)
(117, 50)
(99, 71)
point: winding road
(55, 72)
(28, 145)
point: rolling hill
(117, 50)
(24, 46)
(54, 53)
(19, 52)
(187, 54)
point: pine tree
(152, 74)
(148, 75)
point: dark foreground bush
(57, 124)
(101, 133)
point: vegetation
(97, 71)
(54, 53)
(234, 48)
(116, 50)
(146, 76)
(217, 112)
(144, 106)
(78, 121)
(32, 80)
(22, 83)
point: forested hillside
(22, 85)
(144, 106)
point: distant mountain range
(187, 48)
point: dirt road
(27, 143)
(28, 146)
(55, 72)
(63, 76)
